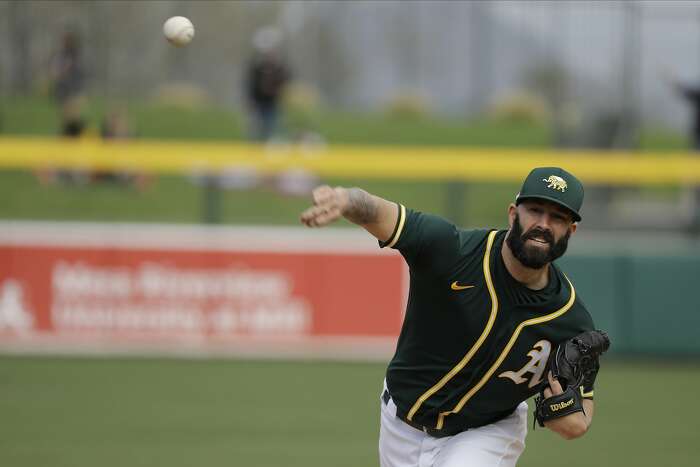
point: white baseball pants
(496, 445)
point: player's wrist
(343, 199)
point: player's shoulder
(583, 315)
(426, 225)
(416, 231)
(414, 226)
(474, 234)
(472, 239)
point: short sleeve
(424, 240)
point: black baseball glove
(575, 365)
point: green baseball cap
(553, 184)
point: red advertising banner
(58, 285)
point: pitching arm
(376, 215)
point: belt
(425, 429)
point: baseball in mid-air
(178, 30)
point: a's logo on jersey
(538, 361)
(455, 286)
(556, 183)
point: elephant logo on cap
(556, 183)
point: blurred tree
(551, 81)
(521, 107)
(20, 29)
(331, 49)
(480, 50)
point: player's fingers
(324, 204)
(317, 216)
(326, 217)
(306, 220)
(305, 214)
(547, 392)
(554, 384)
(307, 217)
(310, 219)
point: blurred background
(159, 303)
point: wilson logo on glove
(561, 405)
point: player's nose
(544, 222)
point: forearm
(588, 409)
(361, 208)
(376, 215)
(574, 425)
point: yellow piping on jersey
(479, 341)
(501, 357)
(402, 220)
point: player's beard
(531, 256)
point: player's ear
(512, 209)
(573, 228)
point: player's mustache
(537, 232)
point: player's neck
(534, 279)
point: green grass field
(62, 412)
(176, 199)
(38, 116)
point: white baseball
(178, 30)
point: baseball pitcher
(490, 322)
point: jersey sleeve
(424, 240)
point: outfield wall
(88, 287)
(263, 291)
(648, 302)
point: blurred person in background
(67, 75)
(691, 94)
(266, 78)
(116, 128)
(115, 125)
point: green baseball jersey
(474, 341)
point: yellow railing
(390, 162)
